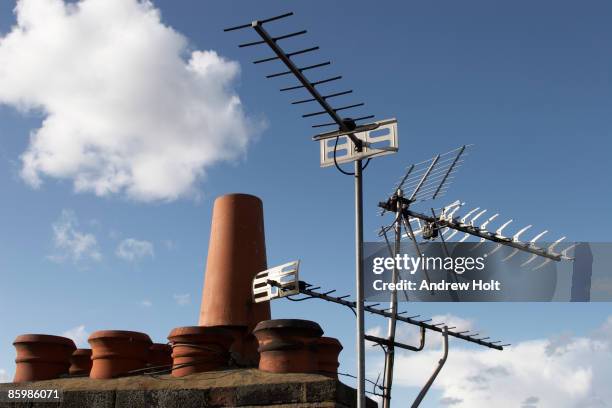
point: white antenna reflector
(379, 139)
(277, 282)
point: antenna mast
(351, 142)
(356, 151)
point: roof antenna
(352, 143)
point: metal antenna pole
(390, 352)
(361, 401)
(345, 126)
(423, 392)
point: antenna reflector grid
(286, 281)
(429, 179)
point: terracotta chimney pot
(160, 354)
(244, 347)
(42, 357)
(288, 345)
(236, 253)
(328, 350)
(197, 349)
(80, 362)
(116, 352)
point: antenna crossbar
(490, 236)
(305, 83)
(308, 290)
(267, 20)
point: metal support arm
(441, 363)
(388, 343)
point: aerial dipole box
(378, 139)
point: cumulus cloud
(4, 376)
(128, 107)
(79, 335)
(70, 243)
(146, 303)
(530, 402)
(131, 249)
(534, 373)
(182, 299)
(170, 245)
(450, 401)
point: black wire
(367, 380)
(300, 299)
(168, 368)
(348, 173)
(374, 386)
(366, 165)
(352, 310)
(385, 229)
(224, 373)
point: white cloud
(133, 250)
(170, 244)
(376, 331)
(572, 372)
(450, 401)
(79, 335)
(146, 303)
(182, 299)
(4, 376)
(72, 243)
(128, 107)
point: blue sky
(527, 83)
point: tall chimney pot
(236, 253)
